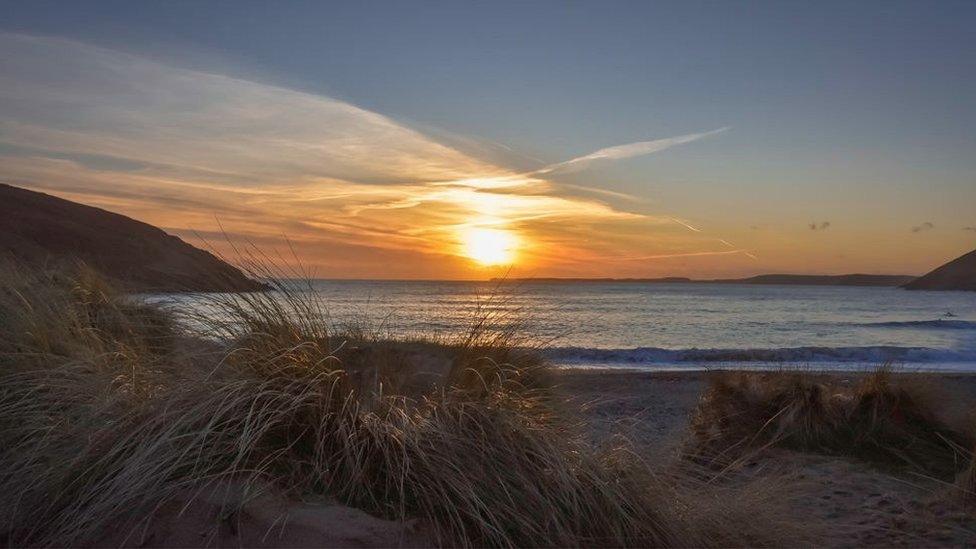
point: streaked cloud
(629, 150)
(926, 226)
(356, 191)
(822, 226)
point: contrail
(685, 224)
(642, 148)
(628, 150)
(722, 240)
(686, 254)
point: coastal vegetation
(112, 412)
(901, 421)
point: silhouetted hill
(958, 274)
(39, 228)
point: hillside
(38, 228)
(958, 274)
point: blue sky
(857, 113)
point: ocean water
(684, 326)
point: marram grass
(109, 409)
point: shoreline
(965, 369)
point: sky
(469, 140)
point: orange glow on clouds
(358, 194)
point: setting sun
(489, 246)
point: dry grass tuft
(888, 419)
(109, 411)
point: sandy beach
(857, 504)
(655, 406)
(650, 407)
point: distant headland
(781, 279)
(958, 274)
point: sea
(673, 326)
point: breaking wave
(940, 324)
(796, 355)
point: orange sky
(359, 194)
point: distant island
(38, 229)
(782, 279)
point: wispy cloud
(629, 150)
(354, 189)
(77, 99)
(973, 229)
(926, 226)
(822, 226)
